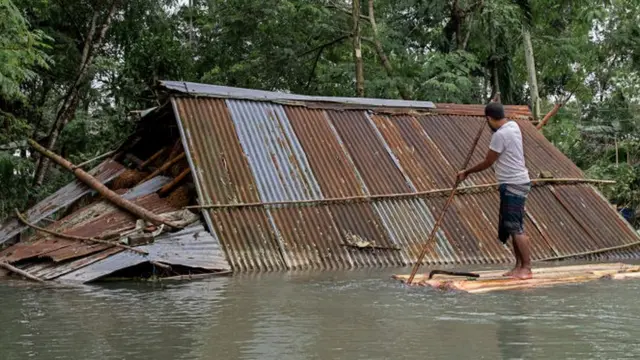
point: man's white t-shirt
(510, 167)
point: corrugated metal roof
(105, 172)
(246, 152)
(193, 247)
(226, 92)
(93, 220)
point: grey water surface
(330, 315)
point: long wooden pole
(417, 194)
(444, 209)
(102, 189)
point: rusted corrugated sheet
(332, 169)
(192, 247)
(421, 160)
(281, 152)
(220, 164)
(566, 236)
(541, 155)
(409, 223)
(606, 227)
(511, 111)
(93, 221)
(370, 156)
(248, 238)
(105, 172)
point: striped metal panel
(275, 156)
(192, 246)
(278, 152)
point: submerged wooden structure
(276, 181)
(490, 281)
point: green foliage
(21, 49)
(584, 48)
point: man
(507, 157)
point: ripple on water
(316, 316)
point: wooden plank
(490, 281)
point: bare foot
(510, 272)
(522, 274)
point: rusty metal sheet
(276, 158)
(370, 156)
(332, 169)
(105, 172)
(418, 156)
(248, 239)
(50, 270)
(409, 223)
(192, 247)
(511, 111)
(606, 227)
(310, 239)
(565, 235)
(99, 219)
(223, 175)
(541, 155)
(454, 136)
(489, 202)
(360, 222)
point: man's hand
(462, 175)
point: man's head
(495, 115)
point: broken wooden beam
(20, 272)
(101, 188)
(165, 189)
(151, 159)
(164, 167)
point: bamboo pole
(151, 159)
(76, 238)
(83, 164)
(23, 273)
(101, 188)
(164, 167)
(444, 209)
(165, 189)
(428, 193)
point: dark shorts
(512, 201)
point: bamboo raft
(489, 281)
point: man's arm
(489, 159)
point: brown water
(348, 315)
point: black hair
(494, 110)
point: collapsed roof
(284, 181)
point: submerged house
(273, 181)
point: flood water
(346, 315)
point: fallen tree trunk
(102, 189)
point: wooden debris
(101, 188)
(165, 189)
(76, 238)
(164, 167)
(151, 159)
(23, 273)
(489, 281)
